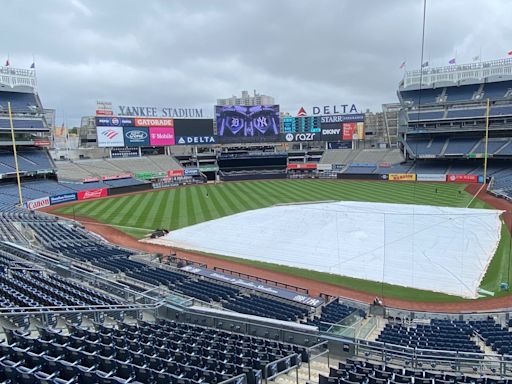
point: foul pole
(15, 154)
(486, 138)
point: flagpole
(486, 138)
(15, 154)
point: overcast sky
(188, 53)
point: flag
(33, 65)
(424, 65)
(402, 66)
(452, 61)
(476, 58)
(7, 63)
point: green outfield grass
(138, 214)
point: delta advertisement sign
(334, 109)
(92, 194)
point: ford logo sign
(136, 135)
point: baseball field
(139, 214)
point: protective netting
(434, 248)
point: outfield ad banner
(402, 177)
(161, 136)
(348, 131)
(308, 166)
(114, 121)
(300, 137)
(431, 177)
(92, 194)
(149, 175)
(110, 137)
(90, 179)
(192, 172)
(38, 203)
(361, 176)
(117, 177)
(153, 122)
(456, 178)
(324, 167)
(196, 140)
(175, 172)
(136, 136)
(256, 285)
(63, 198)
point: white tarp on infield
(426, 247)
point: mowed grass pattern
(184, 206)
(139, 214)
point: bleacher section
(334, 313)
(494, 335)
(348, 156)
(29, 160)
(357, 371)
(444, 335)
(164, 352)
(83, 169)
(21, 102)
(266, 307)
(77, 244)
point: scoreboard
(306, 124)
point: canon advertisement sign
(38, 203)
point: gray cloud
(189, 53)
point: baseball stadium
(261, 245)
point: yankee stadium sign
(129, 110)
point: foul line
(112, 225)
(475, 196)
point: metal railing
(312, 357)
(240, 379)
(442, 360)
(275, 363)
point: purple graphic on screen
(247, 121)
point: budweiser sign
(92, 194)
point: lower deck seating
(438, 335)
(267, 307)
(333, 313)
(162, 352)
(494, 335)
(355, 371)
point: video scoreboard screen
(307, 124)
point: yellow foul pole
(15, 155)
(486, 138)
